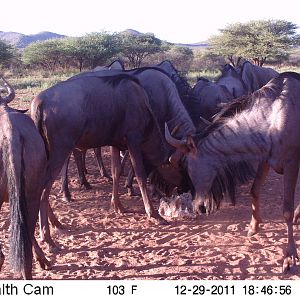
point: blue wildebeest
(107, 108)
(254, 77)
(79, 155)
(183, 87)
(167, 107)
(232, 80)
(210, 96)
(22, 170)
(263, 131)
(186, 93)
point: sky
(184, 21)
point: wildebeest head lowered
(264, 131)
(96, 111)
(22, 169)
(166, 106)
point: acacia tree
(87, 51)
(76, 51)
(181, 56)
(256, 41)
(98, 48)
(6, 53)
(137, 47)
(46, 54)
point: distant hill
(200, 45)
(20, 40)
(131, 31)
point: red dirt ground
(101, 244)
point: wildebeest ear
(191, 145)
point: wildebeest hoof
(107, 178)
(86, 186)
(44, 264)
(67, 199)
(2, 258)
(158, 220)
(251, 232)
(55, 223)
(289, 262)
(119, 209)
(131, 193)
(54, 249)
(289, 265)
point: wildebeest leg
(40, 256)
(290, 179)
(78, 156)
(102, 169)
(116, 172)
(129, 182)
(141, 177)
(1, 257)
(260, 177)
(290, 175)
(53, 219)
(43, 219)
(83, 157)
(55, 164)
(296, 214)
(65, 182)
(124, 156)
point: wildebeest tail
(20, 249)
(38, 120)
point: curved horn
(10, 90)
(171, 140)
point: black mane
(226, 180)
(290, 74)
(114, 80)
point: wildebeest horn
(205, 121)
(171, 140)
(10, 90)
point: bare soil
(100, 244)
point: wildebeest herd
(207, 140)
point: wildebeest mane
(142, 69)
(290, 74)
(232, 173)
(182, 80)
(226, 180)
(115, 80)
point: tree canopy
(137, 47)
(255, 40)
(6, 53)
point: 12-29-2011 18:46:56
(267, 290)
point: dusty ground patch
(101, 244)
